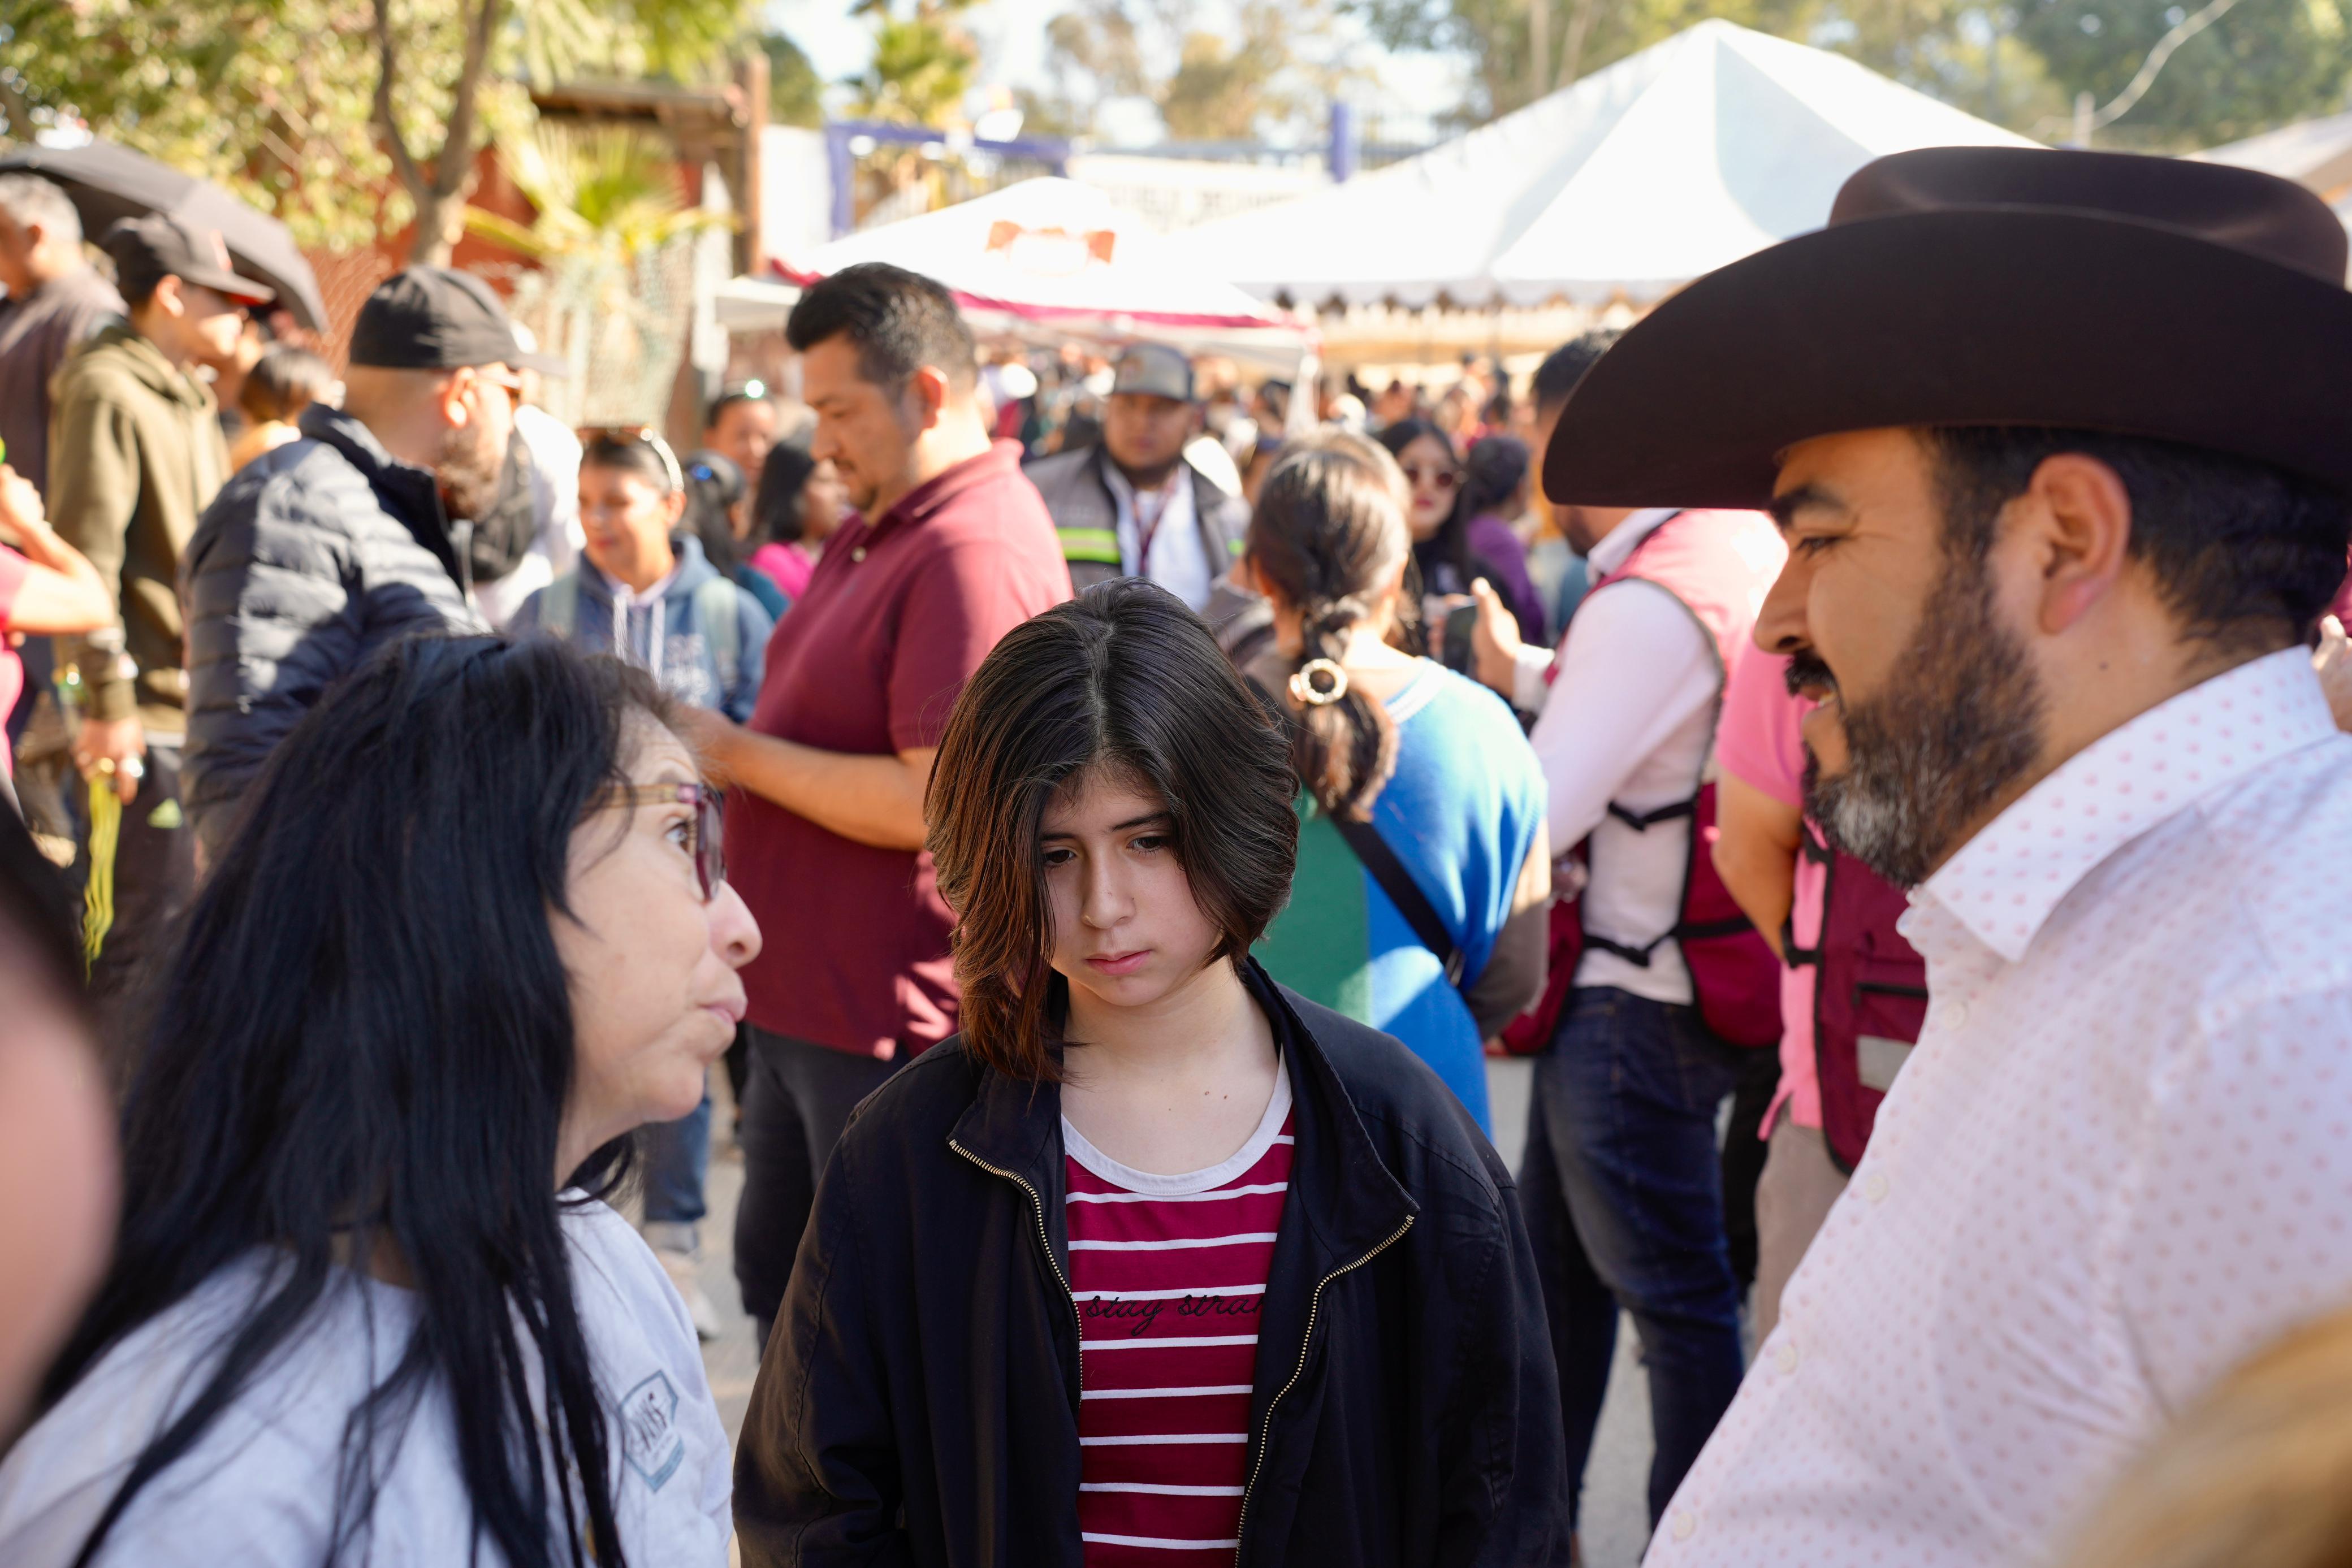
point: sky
(1012, 35)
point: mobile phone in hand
(1461, 625)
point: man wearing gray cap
(1134, 505)
(329, 548)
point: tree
(923, 62)
(2264, 62)
(1269, 64)
(795, 92)
(344, 117)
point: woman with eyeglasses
(645, 592)
(1445, 555)
(368, 1304)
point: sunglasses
(1444, 478)
(612, 436)
(705, 838)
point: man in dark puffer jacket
(328, 548)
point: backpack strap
(559, 605)
(1396, 882)
(716, 606)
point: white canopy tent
(1668, 164)
(1045, 261)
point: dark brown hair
(1328, 533)
(283, 382)
(1124, 679)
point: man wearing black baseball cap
(327, 548)
(135, 453)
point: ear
(674, 504)
(449, 398)
(2079, 514)
(927, 394)
(170, 296)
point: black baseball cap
(153, 247)
(436, 319)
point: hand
(1495, 640)
(712, 737)
(20, 507)
(113, 749)
(2333, 659)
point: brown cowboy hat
(2193, 302)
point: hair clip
(1318, 682)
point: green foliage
(604, 188)
(795, 92)
(275, 98)
(2264, 63)
(923, 62)
(1266, 63)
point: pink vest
(1718, 566)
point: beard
(1959, 720)
(469, 469)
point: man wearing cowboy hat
(2056, 443)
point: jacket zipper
(1045, 1244)
(1314, 1306)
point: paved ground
(1615, 1523)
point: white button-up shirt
(2118, 1162)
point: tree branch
(1571, 53)
(387, 54)
(457, 159)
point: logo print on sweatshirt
(649, 1430)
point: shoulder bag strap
(1404, 891)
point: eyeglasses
(508, 382)
(706, 836)
(609, 436)
(1442, 478)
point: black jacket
(311, 558)
(918, 1403)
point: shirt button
(1786, 1358)
(1874, 1189)
(1686, 1523)
(857, 554)
(1956, 1014)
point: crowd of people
(1871, 733)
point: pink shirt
(13, 569)
(1757, 742)
(788, 565)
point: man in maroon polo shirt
(952, 549)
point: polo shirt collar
(1618, 546)
(1000, 458)
(2005, 882)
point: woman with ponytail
(1423, 870)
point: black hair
(1328, 531)
(776, 504)
(1450, 545)
(37, 917)
(899, 321)
(630, 453)
(1566, 365)
(1496, 468)
(364, 1039)
(713, 488)
(283, 382)
(2247, 556)
(1123, 678)
(731, 400)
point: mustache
(1806, 669)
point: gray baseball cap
(1155, 369)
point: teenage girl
(1157, 1263)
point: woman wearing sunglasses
(1449, 551)
(367, 1304)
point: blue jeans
(677, 1156)
(1623, 1197)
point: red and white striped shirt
(1169, 1271)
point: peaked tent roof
(2313, 153)
(1670, 163)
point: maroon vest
(1717, 565)
(1870, 995)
